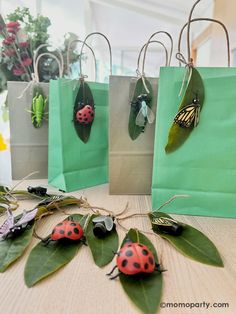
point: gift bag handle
(61, 62)
(36, 63)
(171, 47)
(147, 44)
(210, 20)
(190, 59)
(35, 75)
(109, 47)
(68, 55)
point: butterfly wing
(7, 225)
(26, 217)
(187, 115)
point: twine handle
(210, 20)
(150, 38)
(109, 47)
(68, 55)
(144, 60)
(44, 46)
(36, 74)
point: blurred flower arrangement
(21, 35)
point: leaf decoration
(178, 135)
(134, 129)
(44, 260)
(56, 201)
(102, 249)
(191, 243)
(83, 98)
(12, 248)
(144, 290)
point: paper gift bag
(73, 163)
(130, 160)
(29, 145)
(204, 166)
(5, 156)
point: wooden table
(82, 288)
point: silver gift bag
(131, 159)
(29, 145)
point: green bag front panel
(204, 167)
(73, 164)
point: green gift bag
(204, 166)
(74, 164)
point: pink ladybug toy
(85, 115)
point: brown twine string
(144, 60)
(109, 47)
(210, 20)
(68, 56)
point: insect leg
(114, 277)
(159, 269)
(111, 272)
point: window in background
(203, 52)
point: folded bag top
(78, 152)
(197, 158)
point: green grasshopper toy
(39, 104)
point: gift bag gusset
(131, 135)
(78, 157)
(203, 167)
(28, 107)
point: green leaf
(134, 129)
(144, 290)
(178, 135)
(191, 243)
(12, 248)
(47, 259)
(84, 97)
(102, 249)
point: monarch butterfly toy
(188, 116)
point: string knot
(188, 73)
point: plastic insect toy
(39, 104)
(134, 258)
(84, 111)
(38, 190)
(85, 115)
(168, 225)
(66, 230)
(145, 114)
(51, 199)
(103, 225)
(188, 116)
(13, 227)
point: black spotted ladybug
(135, 258)
(85, 115)
(67, 229)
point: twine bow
(188, 73)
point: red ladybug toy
(135, 258)
(67, 229)
(85, 115)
